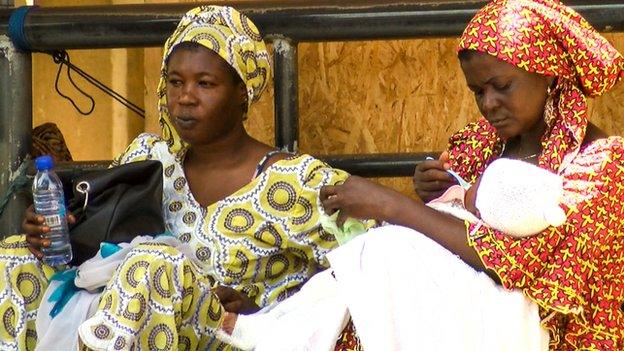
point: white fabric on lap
(311, 319)
(61, 332)
(406, 292)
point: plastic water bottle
(50, 203)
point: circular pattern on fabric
(188, 300)
(101, 332)
(300, 253)
(283, 295)
(8, 245)
(8, 321)
(276, 266)
(161, 334)
(238, 220)
(325, 236)
(252, 291)
(169, 170)
(120, 343)
(249, 29)
(175, 206)
(214, 309)
(131, 273)
(108, 302)
(161, 282)
(241, 264)
(203, 254)
(249, 57)
(179, 183)
(135, 308)
(308, 211)
(29, 286)
(281, 196)
(269, 234)
(184, 343)
(187, 292)
(189, 218)
(185, 237)
(189, 275)
(310, 177)
(214, 43)
(31, 339)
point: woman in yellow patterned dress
(251, 226)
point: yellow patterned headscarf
(232, 36)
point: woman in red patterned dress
(531, 64)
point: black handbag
(115, 205)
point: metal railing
(285, 23)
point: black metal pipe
(378, 165)
(286, 94)
(145, 25)
(15, 127)
(371, 165)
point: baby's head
(519, 198)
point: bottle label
(52, 221)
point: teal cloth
(67, 289)
(350, 229)
(64, 292)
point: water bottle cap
(44, 163)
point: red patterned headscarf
(547, 37)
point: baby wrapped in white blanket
(405, 292)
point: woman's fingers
(331, 205)
(436, 185)
(31, 217)
(327, 191)
(433, 179)
(35, 243)
(71, 219)
(329, 198)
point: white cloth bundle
(513, 196)
(60, 333)
(406, 292)
(519, 198)
(311, 319)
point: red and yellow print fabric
(546, 37)
(348, 339)
(575, 272)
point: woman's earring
(550, 90)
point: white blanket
(60, 333)
(311, 319)
(406, 292)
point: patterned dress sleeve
(561, 267)
(472, 148)
(309, 240)
(140, 149)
